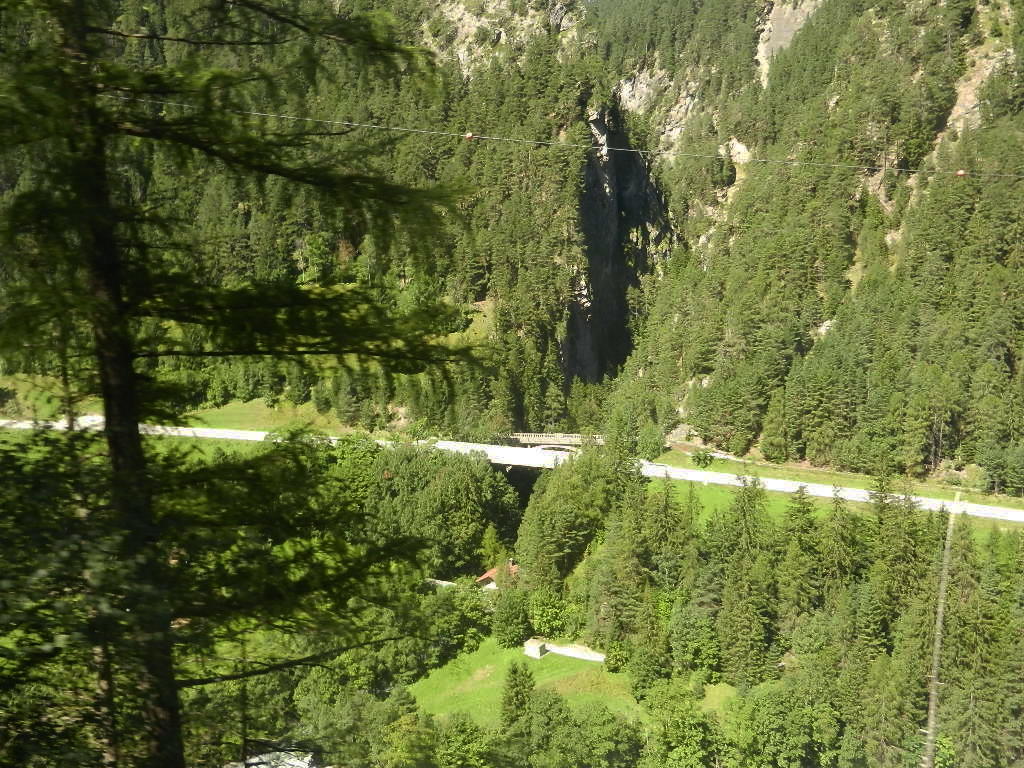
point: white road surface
(541, 458)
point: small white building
(535, 648)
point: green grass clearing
(480, 325)
(472, 684)
(35, 399)
(257, 415)
(714, 497)
(717, 698)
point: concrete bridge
(554, 438)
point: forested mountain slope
(795, 264)
(867, 316)
(794, 227)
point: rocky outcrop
(471, 31)
(783, 19)
(559, 18)
(982, 62)
(642, 90)
(649, 90)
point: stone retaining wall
(537, 647)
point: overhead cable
(471, 136)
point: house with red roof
(489, 580)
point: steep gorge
(626, 228)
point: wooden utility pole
(928, 755)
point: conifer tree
(515, 694)
(773, 436)
(743, 622)
(666, 535)
(76, 113)
(617, 586)
(1010, 659)
(973, 664)
(797, 585)
(798, 572)
(649, 660)
(743, 527)
(839, 546)
(564, 514)
(895, 695)
(462, 743)
(682, 736)
(693, 639)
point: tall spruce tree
(515, 693)
(744, 622)
(773, 434)
(798, 575)
(110, 282)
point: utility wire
(470, 136)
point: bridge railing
(554, 438)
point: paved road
(650, 469)
(541, 458)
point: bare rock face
(639, 92)
(982, 62)
(557, 17)
(501, 25)
(783, 19)
(686, 106)
(738, 151)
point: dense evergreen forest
(799, 267)
(820, 619)
(791, 229)
(851, 300)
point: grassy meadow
(472, 684)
